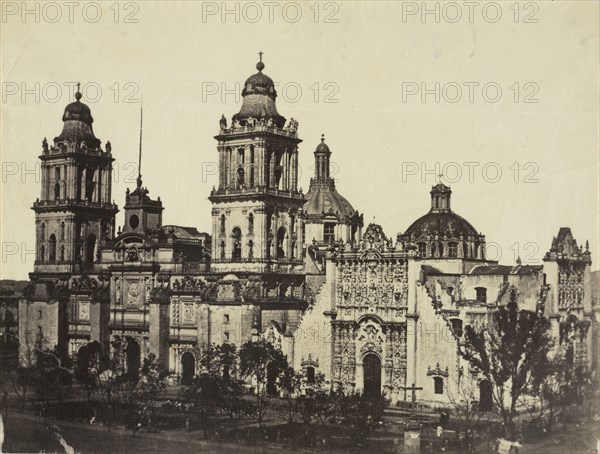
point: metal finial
(260, 65)
(322, 137)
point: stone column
(273, 158)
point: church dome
(261, 84)
(326, 200)
(78, 111)
(259, 100)
(441, 223)
(441, 233)
(77, 125)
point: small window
(39, 315)
(452, 250)
(226, 336)
(481, 293)
(422, 249)
(329, 233)
(226, 318)
(438, 385)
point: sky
(501, 98)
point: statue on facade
(45, 145)
(108, 147)
(223, 122)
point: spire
(139, 178)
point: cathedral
(371, 312)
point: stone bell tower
(257, 208)
(74, 213)
(73, 216)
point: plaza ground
(28, 433)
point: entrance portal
(188, 368)
(486, 402)
(372, 375)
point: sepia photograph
(312, 226)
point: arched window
(422, 249)
(43, 232)
(438, 385)
(240, 178)
(452, 250)
(222, 225)
(42, 253)
(62, 253)
(62, 231)
(90, 247)
(250, 224)
(236, 251)
(222, 250)
(52, 248)
(281, 243)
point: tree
(360, 413)
(150, 386)
(300, 395)
(203, 393)
(563, 385)
(264, 364)
(52, 373)
(511, 350)
(216, 386)
(463, 398)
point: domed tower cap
(322, 147)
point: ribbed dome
(325, 199)
(441, 223)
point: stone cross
(414, 390)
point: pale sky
(370, 57)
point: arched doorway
(372, 375)
(82, 363)
(271, 379)
(188, 368)
(133, 355)
(90, 247)
(486, 401)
